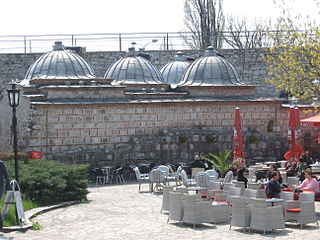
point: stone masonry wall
(131, 133)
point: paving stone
(120, 212)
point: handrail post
(120, 42)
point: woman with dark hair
(241, 177)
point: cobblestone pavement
(120, 212)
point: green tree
(222, 162)
(293, 62)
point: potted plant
(222, 162)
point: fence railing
(94, 41)
(121, 41)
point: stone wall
(129, 133)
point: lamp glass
(14, 96)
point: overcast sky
(114, 16)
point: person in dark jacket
(273, 168)
(241, 177)
(273, 186)
(4, 179)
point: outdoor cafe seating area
(207, 199)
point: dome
(211, 70)
(133, 69)
(60, 64)
(173, 71)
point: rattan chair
(202, 180)
(301, 211)
(266, 218)
(165, 198)
(220, 210)
(292, 181)
(240, 212)
(156, 177)
(175, 206)
(195, 211)
(234, 192)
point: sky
(21, 17)
(41, 17)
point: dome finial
(58, 45)
(180, 56)
(210, 51)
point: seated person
(273, 187)
(197, 163)
(273, 168)
(207, 164)
(241, 177)
(291, 168)
(301, 167)
(310, 183)
(306, 158)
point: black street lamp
(14, 96)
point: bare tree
(239, 36)
(205, 20)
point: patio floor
(120, 212)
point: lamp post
(144, 46)
(14, 96)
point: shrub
(49, 182)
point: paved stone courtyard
(120, 212)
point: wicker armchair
(156, 177)
(202, 179)
(302, 211)
(234, 192)
(265, 218)
(175, 206)
(165, 198)
(240, 213)
(195, 211)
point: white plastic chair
(142, 178)
(213, 175)
(228, 178)
(185, 180)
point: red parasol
(237, 136)
(294, 135)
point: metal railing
(93, 41)
(118, 41)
